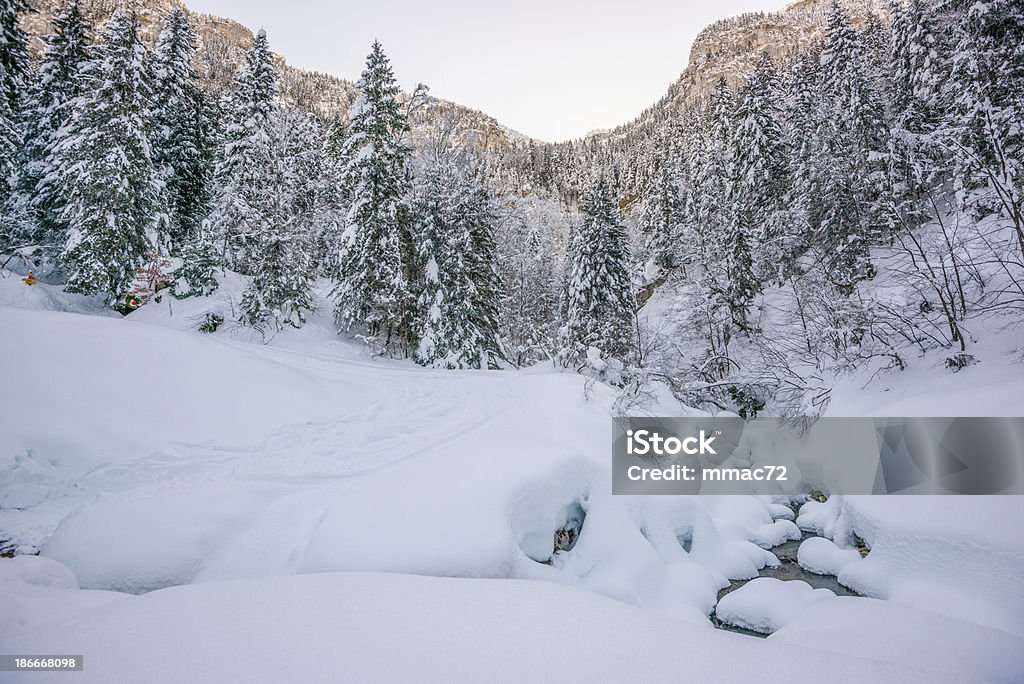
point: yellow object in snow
(29, 279)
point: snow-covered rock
(822, 556)
(766, 604)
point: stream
(788, 570)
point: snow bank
(397, 628)
(766, 604)
(37, 570)
(962, 556)
(898, 634)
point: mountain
(222, 45)
(730, 49)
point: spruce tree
(741, 284)
(13, 53)
(987, 112)
(599, 300)
(111, 195)
(460, 293)
(845, 190)
(47, 108)
(237, 178)
(13, 70)
(334, 198)
(661, 214)
(200, 258)
(917, 161)
(180, 148)
(759, 185)
(376, 259)
(279, 292)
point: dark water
(788, 570)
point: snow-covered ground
(239, 510)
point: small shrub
(210, 322)
(957, 362)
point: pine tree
(13, 53)
(987, 111)
(237, 178)
(760, 177)
(460, 293)
(13, 70)
(180, 149)
(599, 300)
(741, 284)
(335, 199)
(845, 192)
(917, 162)
(377, 252)
(200, 258)
(661, 214)
(47, 108)
(111, 196)
(279, 292)
(760, 188)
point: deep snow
(210, 470)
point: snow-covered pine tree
(334, 198)
(46, 109)
(13, 70)
(13, 52)
(237, 177)
(460, 293)
(661, 213)
(111, 194)
(599, 300)
(181, 152)
(741, 284)
(845, 189)
(760, 182)
(919, 67)
(279, 292)
(200, 258)
(376, 287)
(530, 270)
(987, 134)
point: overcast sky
(553, 69)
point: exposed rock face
(731, 48)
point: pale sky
(553, 69)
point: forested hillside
(825, 188)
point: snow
(37, 570)
(822, 556)
(766, 604)
(897, 634)
(254, 491)
(387, 627)
(958, 556)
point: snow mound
(822, 556)
(962, 556)
(767, 604)
(898, 634)
(37, 570)
(401, 628)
